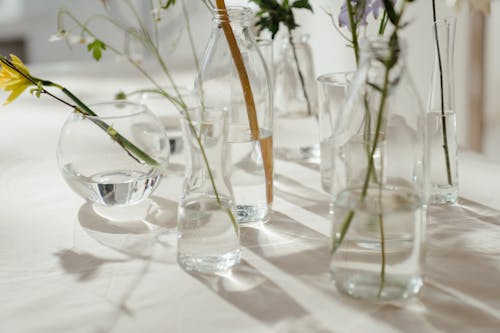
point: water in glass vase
(207, 239)
(248, 177)
(113, 187)
(380, 257)
(443, 162)
(293, 146)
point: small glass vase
(379, 207)
(441, 117)
(208, 233)
(296, 101)
(244, 88)
(333, 90)
(168, 113)
(101, 169)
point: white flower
(482, 6)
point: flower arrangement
(356, 14)
(15, 77)
(368, 205)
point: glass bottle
(208, 234)
(220, 84)
(379, 207)
(441, 117)
(296, 100)
(333, 90)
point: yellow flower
(12, 80)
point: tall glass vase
(208, 234)
(379, 159)
(234, 76)
(441, 117)
(296, 101)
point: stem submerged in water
(441, 85)
(299, 72)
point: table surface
(63, 268)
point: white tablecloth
(65, 269)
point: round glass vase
(234, 76)
(208, 233)
(116, 158)
(379, 159)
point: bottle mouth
(449, 20)
(232, 14)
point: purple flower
(362, 9)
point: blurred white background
(26, 25)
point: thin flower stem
(354, 30)
(443, 114)
(209, 170)
(135, 152)
(299, 72)
(383, 23)
(349, 217)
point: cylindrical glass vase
(332, 93)
(234, 76)
(379, 206)
(296, 101)
(441, 117)
(208, 233)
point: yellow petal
(15, 93)
(19, 64)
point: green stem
(354, 30)
(133, 150)
(349, 217)
(443, 115)
(299, 72)
(209, 170)
(383, 23)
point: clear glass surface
(208, 233)
(98, 168)
(380, 173)
(219, 85)
(391, 219)
(332, 93)
(441, 119)
(296, 101)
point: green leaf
(96, 47)
(302, 4)
(272, 14)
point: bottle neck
(236, 15)
(379, 55)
